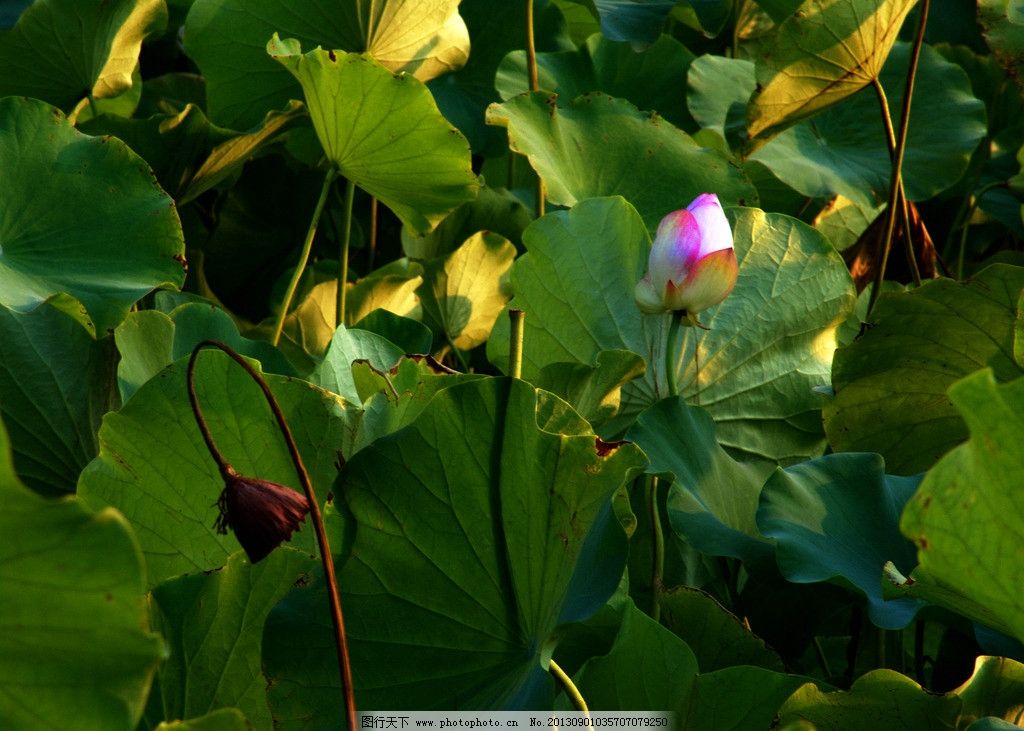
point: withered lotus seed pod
(262, 514)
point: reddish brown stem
(334, 599)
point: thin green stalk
(346, 233)
(890, 135)
(372, 254)
(901, 145)
(459, 357)
(570, 687)
(333, 597)
(670, 353)
(972, 202)
(658, 569)
(531, 68)
(307, 246)
(515, 349)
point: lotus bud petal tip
(692, 265)
(262, 514)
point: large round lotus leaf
(890, 383)
(717, 637)
(967, 516)
(213, 622)
(837, 516)
(478, 529)
(994, 690)
(81, 215)
(636, 21)
(383, 132)
(718, 89)
(598, 145)
(154, 467)
(149, 341)
(226, 38)
(844, 150)
(63, 50)
(56, 382)
(712, 501)
(823, 53)
(334, 372)
(75, 650)
(882, 700)
(650, 80)
(769, 344)
(650, 669)
(462, 294)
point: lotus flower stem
(515, 349)
(658, 569)
(890, 135)
(307, 246)
(346, 232)
(897, 163)
(670, 353)
(570, 687)
(334, 599)
(372, 253)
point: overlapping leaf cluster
(821, 530)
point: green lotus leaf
(890, 384)
(821, 54)
(173, 145)
(226, 39)
(149, 341)
(881, 700)
(636, 21)
(463, 293)
(485, 471)
(227, 158)
(994, 690)
(496, 210)
(409, 335)
(844, 150)
(334, 372)
(718, 638)
(63, 50)
(718, 90)
(712, 502)
(842, 221)
(597, 145)
(414, 162)
(649, 80)
(838, 516)
(393, 399)
(650, 669)
(769, 345)
(154, 467)
(966, 517)
(213, 623)
(75, 646)
(55, 385)
(594, 390)
(81, 215)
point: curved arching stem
(334, 599)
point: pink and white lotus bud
(692, 265)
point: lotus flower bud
(692, 265)
(262, 514)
